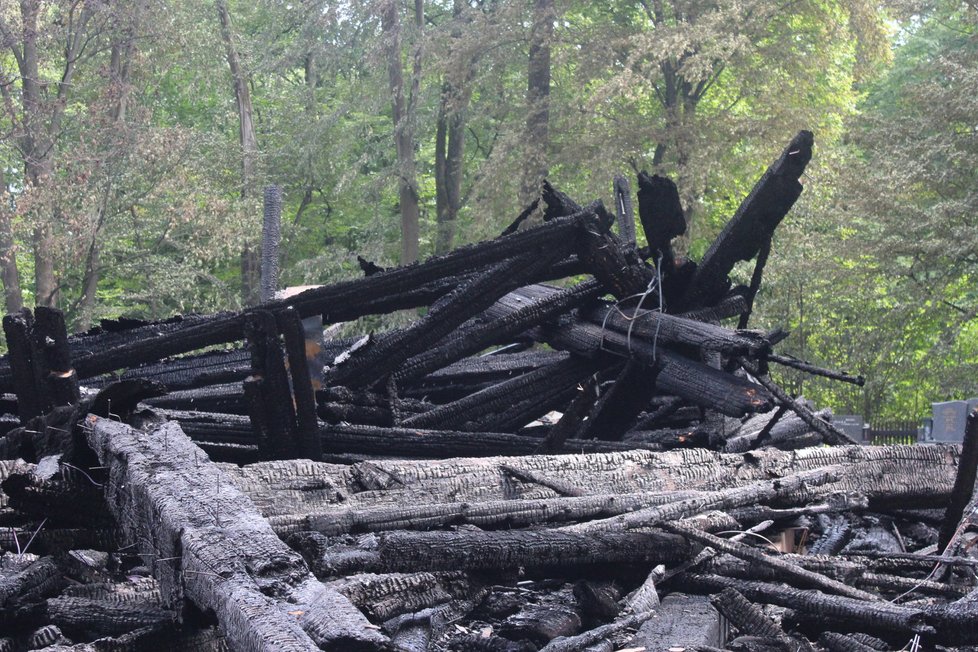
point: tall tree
(403, 112)
(45, 87)
(13, 299)
(248, 140)
(537, 144)
(453, 106)
(116, 147)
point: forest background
(136, 138)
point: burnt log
(964, 483)
(474, 337)
(378, 360)
(403, 551)
(177, 507)
(753, 223)
(828, 608)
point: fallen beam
(207, 542)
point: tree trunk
(535, 158)
(450, 143)
(249, 149)
(402, 112)
(119, 67)
(9, 274)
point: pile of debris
(573, 488)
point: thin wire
(655, 285)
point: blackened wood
(381, 292)
(206, 541)
(329, 300)
(765, 432)
(572, 419)
(499, 550)
(873, 616)
(275, 413)
(106, 618)
(662, 215)
(619, 268)
(746, 616)
(50, 336)
(654, 326)
(477, 408)
(835, 642)
(807, 367)
(832, 538)
(152, 343)
(624, 213)
(755, 282)
(188, 372)
(30, 582)
(753, 223)
(382, 358)
(554, 615)
(226, 398)
(730, 306)
(32, 397)
(592, 637)
(759, 491)
(72, 499)
(475, 373)
(515, 225)
(307, 426)
(964, 483)
(618, 408)
(831, 434)
(504, 512)
(415, 442)
(678, 375)
(484, 331)
(271, 236)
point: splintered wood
(567, 449)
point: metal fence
(885, 433)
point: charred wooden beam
(654, 326)
(480, 551)
(678, 375)
(387, 354)
(753, 223)
(964, 483)
(624, 213)
(273, 412)
(786, 571)
(415, 442)
(760, 491)
(487, 330)
(865, 616)
(179, 509)
(495, 403)
(807, 367)
(303, 397)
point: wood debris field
(575, 445)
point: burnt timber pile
(534, 463)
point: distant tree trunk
(403, 118)
(535, 157)
(450, 143)
(120, 60)
(13, 299)
(249, 150)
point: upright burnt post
(271, 236)
(267, 389)
(32, 399)
(51, 342)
